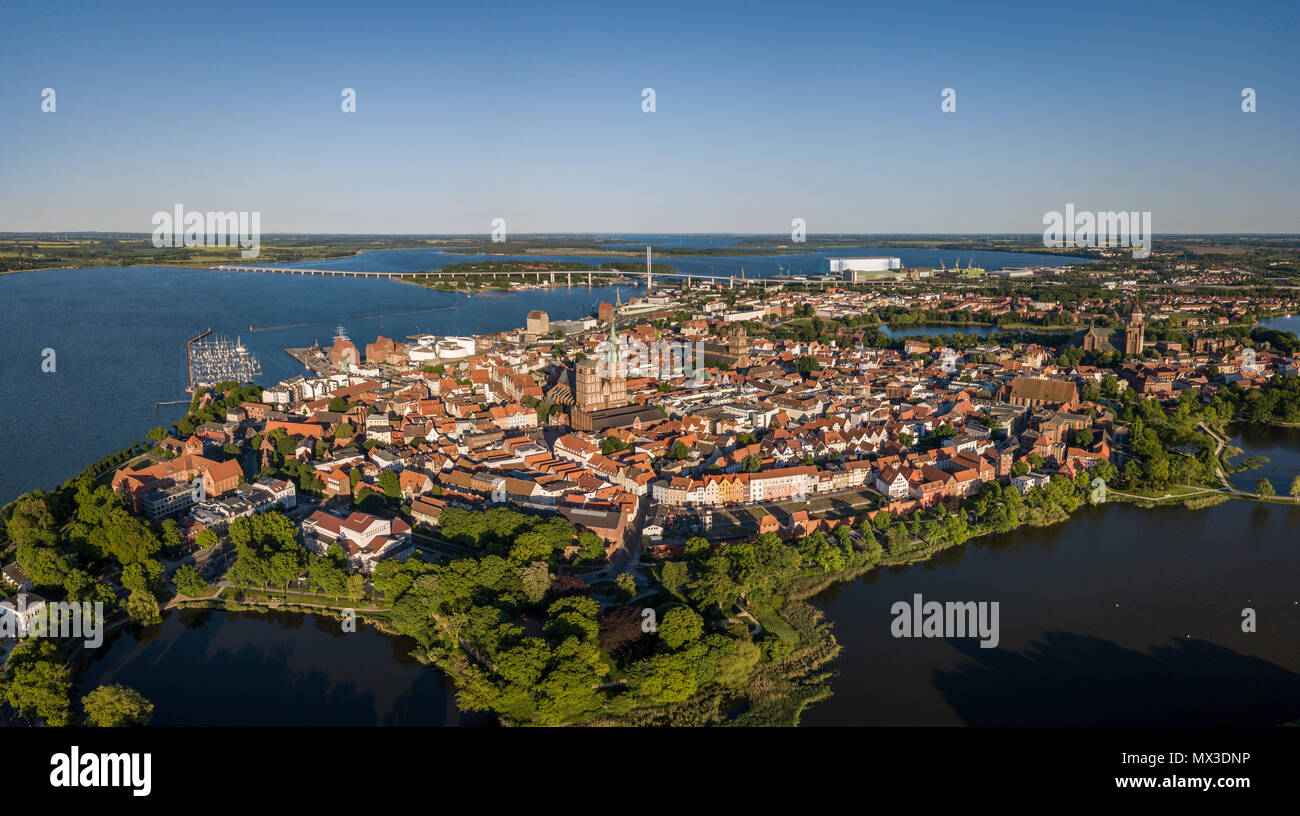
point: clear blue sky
(765, 112)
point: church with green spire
(1128, 340)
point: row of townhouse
(781, 484)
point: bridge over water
(553, 276)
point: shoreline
(756, 252)
(778, 692)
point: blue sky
(764, 112)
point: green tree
(142, 575)
(612, 444)
(205, 538)
(356, 586)
(1265, 488)
(112, 706)
(189, 582)
(626, 585)
(535, 579)
(673, 575)
(697, 547)
(531, 547)
(806, 365)
(665, 678)
(1295, 486)
(328, 577)
(680, 625)
(390, 484)
(592, 546)
(37, 685)
(142, 607)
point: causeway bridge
(552, 276)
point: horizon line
(615, 233)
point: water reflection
(211, 667)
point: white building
(18, 613)
(431, 349)
(281, 492)
(1029, 480)
(363, 537)
(851, 267)
(893, 483)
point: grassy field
(277, 596)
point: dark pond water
(203, 667)
(1121, 616)
(1281, 446)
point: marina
(219, 360)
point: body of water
(1290, 323)
(209, 667)
(1281, 446)
(921, 331)
(1120, 616)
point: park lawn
(264, 596)
(210, 593)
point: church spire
(612, 357)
